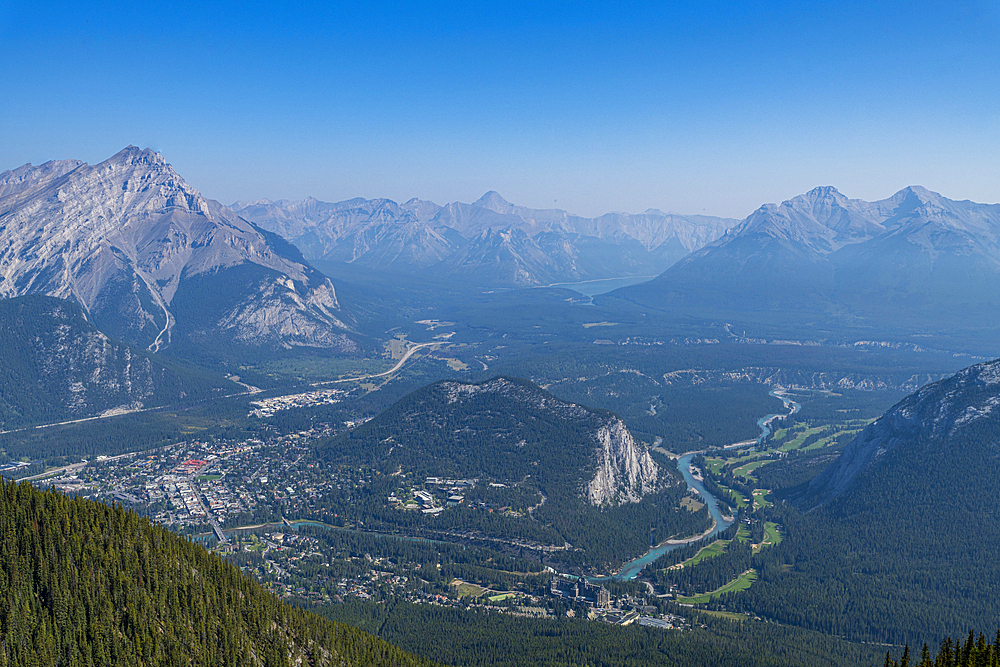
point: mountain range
(490, 241)
(914, 259)
(151, 260)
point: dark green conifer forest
(88, 584)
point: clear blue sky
(691, 107)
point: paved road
(73, 467)
(252, 390)
(399, 364)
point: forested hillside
(57, 365)
(88, 584)
(556, 472)
(905, 544)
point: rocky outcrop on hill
(509, 430)
(625, 470)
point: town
(259, 503)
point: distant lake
(595, 287)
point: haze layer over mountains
(490, 240)
(152, 262)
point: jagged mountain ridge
(490, 240)
(914, 257)
(128, 238)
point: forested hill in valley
(488, 242)
(58, 366)
(561, 472)
(912, 261)
(903, 526)
(88, 584)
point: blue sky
(700, 107)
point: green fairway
(828, 440)
(772, 534)
(746, 470)
(800, 438)
(714, 549)
(740, 583)
(715, 465)
(735, 497)
(761, 498)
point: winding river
(764, 423)
(632, 568)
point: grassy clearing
(324, 369)
(740, 583)
(690, 504)
(762, 498)
(467, 590)
(456, 364)
(207, 478)
(746, 471)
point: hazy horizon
(714, 109)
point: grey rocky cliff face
(625, 470)
(934, 414)
(121, 237)
(82, 367)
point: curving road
(399, 364)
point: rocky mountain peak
(121, 237)
(133, 155)
(424, 210)
(492, 201)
